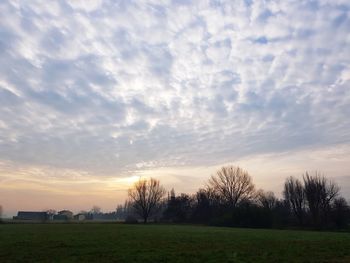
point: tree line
(230, 198)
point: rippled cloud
(114, 87)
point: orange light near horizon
(125, 181)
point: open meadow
(99, 242)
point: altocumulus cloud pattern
(116, 86)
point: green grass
(166, 243)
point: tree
(340, 213)
(206, 203)
(266, 199)
(178, 208)
(294, 195)
(146, 196)
(232, 184)
(95, 210)
(0, 213)
(319, 193)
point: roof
(31, 215)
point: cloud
(85, 5)
(188, 82)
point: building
(79, 217)
(31, 215)
(63, 215)
(67, 213)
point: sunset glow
(97, 94)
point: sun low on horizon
(96, 94)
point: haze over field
(95, 94)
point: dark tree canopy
(294, 195)
(178, 208)
(320, 193)
(230, 199)
(266, 199)
(340, 212)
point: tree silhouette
(232, 184)
(146, 196)
(319, 193)
(95, 210)
(294, 195)
(266, 199)
(229, 199)
(340, 212)
(178, 208)
(206, 204)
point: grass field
(166, 243)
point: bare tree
(319, 193)
(232, 184)
(95, 210)
(146, 196)
(294, 195)
(266, 199)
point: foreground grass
(166, 243)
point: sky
(95, 94)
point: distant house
(63, 215)
(79, 217)
(31, 215)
